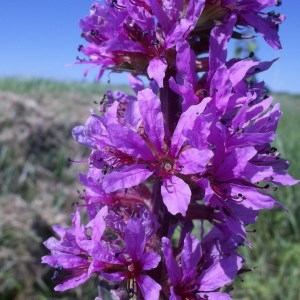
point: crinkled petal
(71, 283)
(265, 28)
(128, 141)
(219, 38)
(178, 33)
(186, 122)
(149, 260)
(135, 239)
(98, 224)
(235, 163)
(190, 256)
(166, 12)
(176, 195)
(174, 272)
(132, 117)
(78, 133)
(66, 261)
(149, 287)
(150, 109)
(252, 198)
(220, 273)
(194, 160)
(125, 177)
(283, 178)
(156, 70)
(221, 95)
(193, 11)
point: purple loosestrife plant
(179, 168)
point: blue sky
(38, 39)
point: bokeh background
(42, 99)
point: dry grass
(38, 186)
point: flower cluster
(180, 167)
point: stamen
(114, 3)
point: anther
(130, 293)
(154, 42)
(204, 92)
(251, 54)
(94, 33)
(55, 276)
(114, 3)
(271, 13)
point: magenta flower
(72, 254)
(248, 14)
(132, 262)
(141, 37)
(133, 157)
(199, 274)
(195, 146)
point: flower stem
(170, 105)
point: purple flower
(95, 197)
(248, 14)
(133, 156)
(72, 254)
(132, 262)
(200, 271)
(141, 37)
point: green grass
(276, 242)
(37, 86)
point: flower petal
(190, 256)
(220, 273)
(150, 260)
(176, 195)
(186, 122)
(135, 239)
(193, 160)
(71, 283)
(174, 272)
(128, 141)
(156, 70)
(149, 287)
(125, 177)
(150, 109)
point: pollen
(167, 166)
